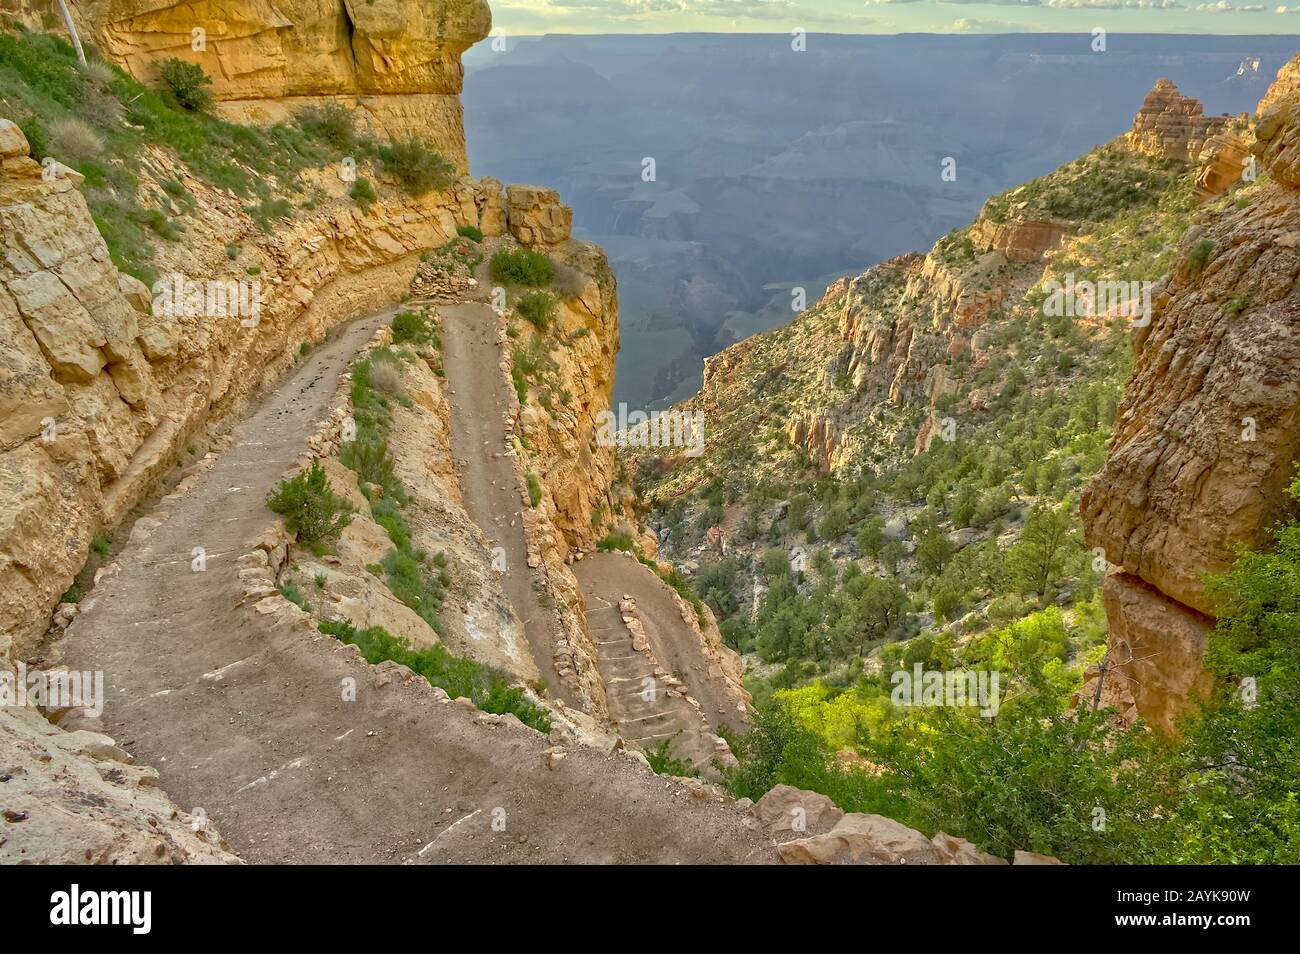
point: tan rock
(1172, 126)
(958, 851)
(787, 810)
(74, 798)
(863, 840)
(536, 216)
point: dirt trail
(645, 719)
(245, 719)
(479, 400)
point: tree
(933, 553)
(1036, 560)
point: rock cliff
(1208, 431)
(397, 62)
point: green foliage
(311, 509)
(1199, 256)
(662, 762)
(100, 544)
(187, 83)
(537, 308)
(332, 124)
(1037, 559)
(522, 266)
(416, 327)
(460, 678)
(362, 192)
(615, 541)
(534, 488)
(471, 232)
(289, 590)
(417, 167)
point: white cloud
(1115, 4)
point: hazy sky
(894, 16)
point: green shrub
(615, 541)
(415, 327)
(311, 509)
(100, 544)
(370, 460)
(362, 192)
(37, 137)
(487, 688)
(289, 590)
(1199, 256)
(522, 267)
(187, 83)
(534, 489)
(417, 167)
(471, 232)
(537, 308)
(663, 763)
(331, 123)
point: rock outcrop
(397, 62)
(76, 798)
(811, 830)
(1207, 435)
(1021, 239)
(1170, 125)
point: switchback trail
(646, 720)
(244, 717)
(479, 399)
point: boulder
(785, 810)
(863, 840)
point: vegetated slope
(893, 479)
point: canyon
(273, 698)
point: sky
(532, 17)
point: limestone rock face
(1207, 433)
(396, 61)
(1223, 163)
(1170, 125)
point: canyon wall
(396, 62)
(1208, 432)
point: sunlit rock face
(396, 61)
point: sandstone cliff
(1170, 125)
(396, 61)
(1207, 433)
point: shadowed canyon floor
(244, 718)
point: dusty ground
(244, 718)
